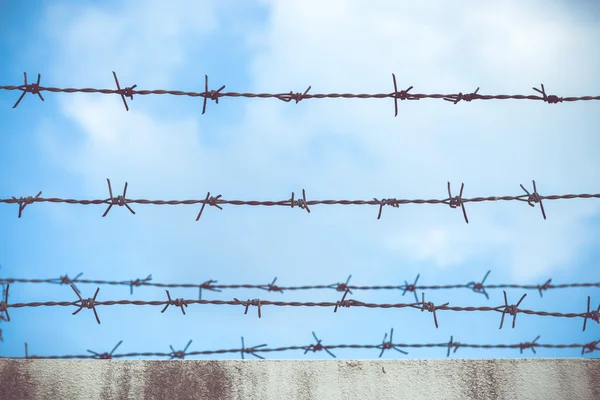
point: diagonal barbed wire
(510, 309)
(215, 95)
(216, 201)
(211, 285)
(586, 348)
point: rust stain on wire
(476, 287)
(586, 348)
(216, 201)
(215, 95)
(511, 309)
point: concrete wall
(328, 379)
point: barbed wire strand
(385, 345)
(91, 303)
(211, 285)
(454, 202)
(215, 95)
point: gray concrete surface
(328, 379)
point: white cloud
(493, 146)
(145, 42)
(353, 46)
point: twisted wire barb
(476, 287)
(512, 310)
(586, 348)
(216, 201)
(214, 95)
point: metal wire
(477, 287)
(36, 89)
(506, 308)
(318, 346)
(454, 202)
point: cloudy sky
(264, 149)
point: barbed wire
(477, 287)
(215, 95)
(506, 308)
(319, 346)
(454, 202)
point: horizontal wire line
(586, 348)
(92, 303)
(210, 285)
(216, 201)
(215, 95)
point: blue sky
(263, 149)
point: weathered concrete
(329, 379)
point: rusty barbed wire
(454, 202)
(215, 95)
(586, 348)
(476, 287)
(510, 309)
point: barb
(65, 280)
(120, 200)
(271, 287)
(253, 302)
(138, 283)
(318, 347)
(389, 345)
(208, 285)
(529, 345)
(594, 315)
(2, 307)
(590, 347)
(552, 99)
(211, 201)
(429, 306)
(402, 95)
(340, 287)
(105, 356)
(479, 288)
(512, 310)
(586, 349)
(453, 202)
(23, 201)
(457, 201)
(454, 344)
(177, 303)
(127, 92)
(343, 302)
(4, 304)
(34, 88)
(179, 354)
(466, 97)
(297, 97)
(86, 303)
(213, 94)
(543, 287)
(251, 350)
(535, 197)
(412, 288)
